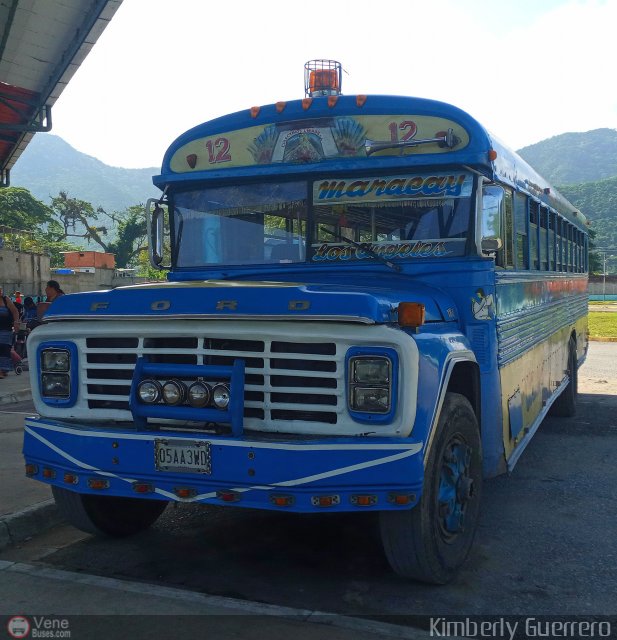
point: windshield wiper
(364, 247)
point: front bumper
(245, 471)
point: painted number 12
(218, 151)
(408, 128)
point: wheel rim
(456, 487)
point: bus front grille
(285, 381)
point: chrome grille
(285, 380)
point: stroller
(19, 354)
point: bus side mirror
(155, 220)
(491, 245)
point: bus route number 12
(218, 151)
(408, 128)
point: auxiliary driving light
(149, 391)
(199, 394)
(220, 396)
(174, 392)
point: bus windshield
(282, 223)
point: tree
(21, 210)
(77, 218)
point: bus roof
(338, 134)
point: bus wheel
(107, 515)
(565, 405)
(430, 542)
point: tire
(430, 542)
(565, 404)
(107, 515)
(18, 370)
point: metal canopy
(42, 44)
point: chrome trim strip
(217, 316)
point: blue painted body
(257, 466)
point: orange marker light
(31, 469)
(143, 487)
(228, 496)
(280, 106)
(306, 103)
(360, 100)
(48, 473)
(364, 500)
(71, 478)
(185, 492)
(332, 100)
(492, 154)
(255, 111)
(98, 483)
(282, 501)
(411, 314)
(401, 499)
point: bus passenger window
(520, 225)
(534, 219)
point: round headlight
(174, 392)
(199, 394)
(220, 396)
(149, 391)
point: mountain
(50, 165)
(571, 158)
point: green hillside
(50, 165)
(572, 158)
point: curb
(15, 396)
(17, 527)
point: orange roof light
(322, 78)
(492, 155)
(411, 314)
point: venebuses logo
(18, 627)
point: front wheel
(430, 542)
(107, 515)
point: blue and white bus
(371, 305)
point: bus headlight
(55, 360)
(174, 392)
(58, 366)
(55, 385)
(220, 396)
(149, 391)
(371, 383)
(199, 394)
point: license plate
(192, 456)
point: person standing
(9, 321)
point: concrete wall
(100, 279)
(23, 271)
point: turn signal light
(411, 314)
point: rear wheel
(565, 405)
(107, 515)
(431, 541)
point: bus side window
(497, 222)
(520, 226)
(534, 219)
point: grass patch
(602, 324)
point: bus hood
(263, 299)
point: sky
(526, 69)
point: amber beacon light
(322, 78)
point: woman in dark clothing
(9, 321)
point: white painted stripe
(412, 447)
(204, 496)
